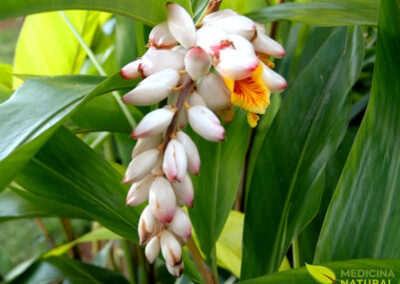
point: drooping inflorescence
(178, 65)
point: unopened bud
(181, 25)
(181, 224)
(140, 166)
(162, 200)
(211, 18)
(275, 82)
(197, 63)
(154, 61)
(214, 92)
(192, 154)
(139, 191)
(153, 123)
(148, 226)
(175, 161)
(195, 99)
(236, 65)
(212, 40)
(131, 70)
(264, 44)
(171, 248)
(152, 249)
(184, 190)
(144, 144)
(236, 24)
(241, 44)
(205, 123)
(160, 37)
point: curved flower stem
(203, 269)
(100, 69)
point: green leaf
(287, 183)
(323, 13)
(244, 6)
(149, 12)
(321, 274)
(343, 271)
(46, 45)
(68, 171)
(218, 181)
(37, 109)
(364, 215)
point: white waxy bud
(153, 123)
(162, 200)
(152, 249)
(197, 63)
(241, 44)
(171, 248)
(205, 123)
(181, 224)
(148, 226)
(131, 70)
(153, 89)
(195, 99)
(139, 191)
(175, 161)
(160, 37)
(140, 166)
(180, 48)
(154, 61)
(236, 65)
(212, 40)
(192, 154)
(184, 190)
(237, 24)
(144, 144)
(181, 25)
(275, 82)
(264, 44)
(176, 270)
(215, 93)
(211, 18)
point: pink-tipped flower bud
(171, 248)
(153, 123)
(215, 93)
(144, 144)
(162, 200)
(192, 154)
(176, 270)
(212, 40)
(152, 249)
(154, 61)
(184, 191)
(181, 224)
(197, 63)
(236, 65)
(205, 123)
(241, 44)
(181, 25)
(264, 44)
(148, 226)
(153, 89)
(140, 166)
(195, 99)
(131, 70)
(275, 82)
(175, 161)
(160, 37)
(237, 24)
(139, 191)
(211, 18)
(181, 49)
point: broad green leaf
(58, 269)
(38, 108)
(244, 6)
(125, 41)
(67, 171)
(6, 76)
(364, 215)
(323, 13)
(321, 274)
(347, 271)
(218, 181)
(150, 12)
(47, 46)
(288, 178)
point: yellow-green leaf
(321, 274)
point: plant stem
(46, 232)
(275, 25)
(70, 236)
(214, 266)
(99, 68)
(296, 253)
(203, 269)
(126, 247)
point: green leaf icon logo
(321, 274)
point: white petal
(175, 270)
(241, 44)
(171, 248)
(264, 44)
(212, 40)
(275, 82)
(148, 226)
(214, 92)
(237, 24)
(197, 63)
(184, 190)
(181, 25)
(206, 124)
(192, 153)
(160, 37)
(236, 65)
(211, 18)
(195, 99)
(154, 61)
(139, 191)
(181, 224)
(175, 161)
(141, 165)
(152, 249)
(144, 144)
(131, 70)
(162, 201)
(181, 49)
(153, 123)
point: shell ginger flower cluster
(178, 67)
